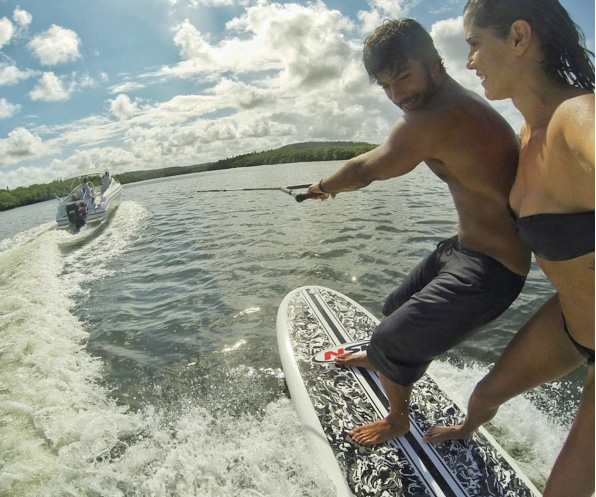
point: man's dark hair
(565, 60)
(394, 43)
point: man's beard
(419, 100)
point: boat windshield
(79, 191)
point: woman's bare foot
(381, 431)
(439, 434)
(357, 360)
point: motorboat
(94, 198)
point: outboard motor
(76, 213)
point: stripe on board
(420, 452)
(428, 473)
(433, 462)
(426, 467)
(415, 434)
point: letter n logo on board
(329, 354)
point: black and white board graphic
(314, 324)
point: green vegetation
(298, 152)
(30, 194)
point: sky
(141, 84)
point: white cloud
(182, 110)
(210, 3)
(22, 17)
(55, 46)
(242, 95)
(126, 87)
(112, 158)
(199, 55)
(11, 75)
(392, 8)
(305, 43)
(25, 175)
(449, 38)
(84, 81)
(380, 10)
(50, 88)
(20, 144)
(370, 19)
(6, 31)
(122, 107)
(309, 42)
(53, 88)
(115, 159)
(7, 109)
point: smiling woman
(530, 51)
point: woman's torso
(553, 201)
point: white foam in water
(195, 453)
(53, 413)
(529, 435)
(101, 244)
(25, 236)
(62, 435)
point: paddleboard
(315, 324)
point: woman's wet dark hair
(566, 61)
(395, 42)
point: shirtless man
(469, 279)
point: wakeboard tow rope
(300, 197)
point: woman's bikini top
(556, 237)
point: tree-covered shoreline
(297, 152)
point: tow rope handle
(300, 197)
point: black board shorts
(439, 304)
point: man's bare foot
(380, 431)
(357, 360)
(438, 434)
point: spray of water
(62, 434)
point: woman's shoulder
(575, 111)
(582, 100)
(573, 122)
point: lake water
(139, 358)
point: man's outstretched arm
(407, 146)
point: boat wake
(62, 433)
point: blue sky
(142, 84)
